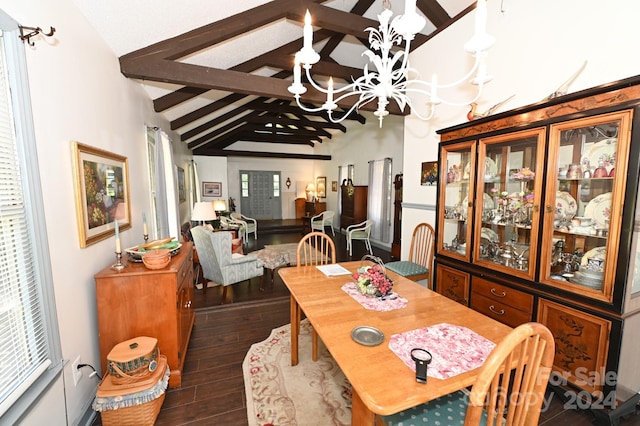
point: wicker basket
(134, 403)
(140, 415)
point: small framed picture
(429, 175)
(212, 189)
(334, 186)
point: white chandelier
(393, 78)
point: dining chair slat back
(419, 266)
(315, 248)
(508, 391)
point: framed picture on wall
(334, 186)
(429, 175)
(101, 183)
(212, 189)
(182, 190)
(321, 186)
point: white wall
(539, 45)
(79, 94)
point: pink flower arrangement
(372, 281)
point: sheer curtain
(166, 187)
(379, 201)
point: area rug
(308, 394)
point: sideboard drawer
(502, 294)
(499, 311)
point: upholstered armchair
(217, 261)
(248, 224)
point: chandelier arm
(304, 108)
(458, 82)
(444, 101)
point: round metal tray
(368, 336)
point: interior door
(260, 194)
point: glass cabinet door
(457, 174)
(583, 205)
(508, 201)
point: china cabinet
(536, 221)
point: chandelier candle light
(393, 77)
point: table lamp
(219, 206)
(310, 189)
(203, 211)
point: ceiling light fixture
(393, 77)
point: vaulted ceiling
(220, 76)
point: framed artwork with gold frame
(321, 186)
(101, 181)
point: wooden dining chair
(509, 389)
(419, 266)
(315, 248)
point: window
(276, 185)
(30, 355)
(244, 184)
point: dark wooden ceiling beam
(241, 110)
(231, 153)
(233, 81)
(434, 12)
(285, 121)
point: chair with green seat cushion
(360, 231)
(449, 410)
(420, 262)
(509, 389)
(322, 220)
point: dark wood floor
(212, 391)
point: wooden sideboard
(137, 301)
(313, 208)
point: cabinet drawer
(499, 311)
(185, 268)
(502, 294)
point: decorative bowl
(156, 259)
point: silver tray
(368, 336)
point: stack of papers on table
(333, 270)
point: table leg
(360, 414)
(295, 330)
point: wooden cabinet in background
(313, 208)
(354, 205)
(137, 301)
(396, 245)
(300, 207)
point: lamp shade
(203, 211)
(219, 205)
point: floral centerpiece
(372, 281)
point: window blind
(24, 338)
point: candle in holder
(144, 224)
(117, 228)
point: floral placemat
(454, 349)
(383, 304)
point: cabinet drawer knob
(495, 293)
(493, 309)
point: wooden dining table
(382, 383)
